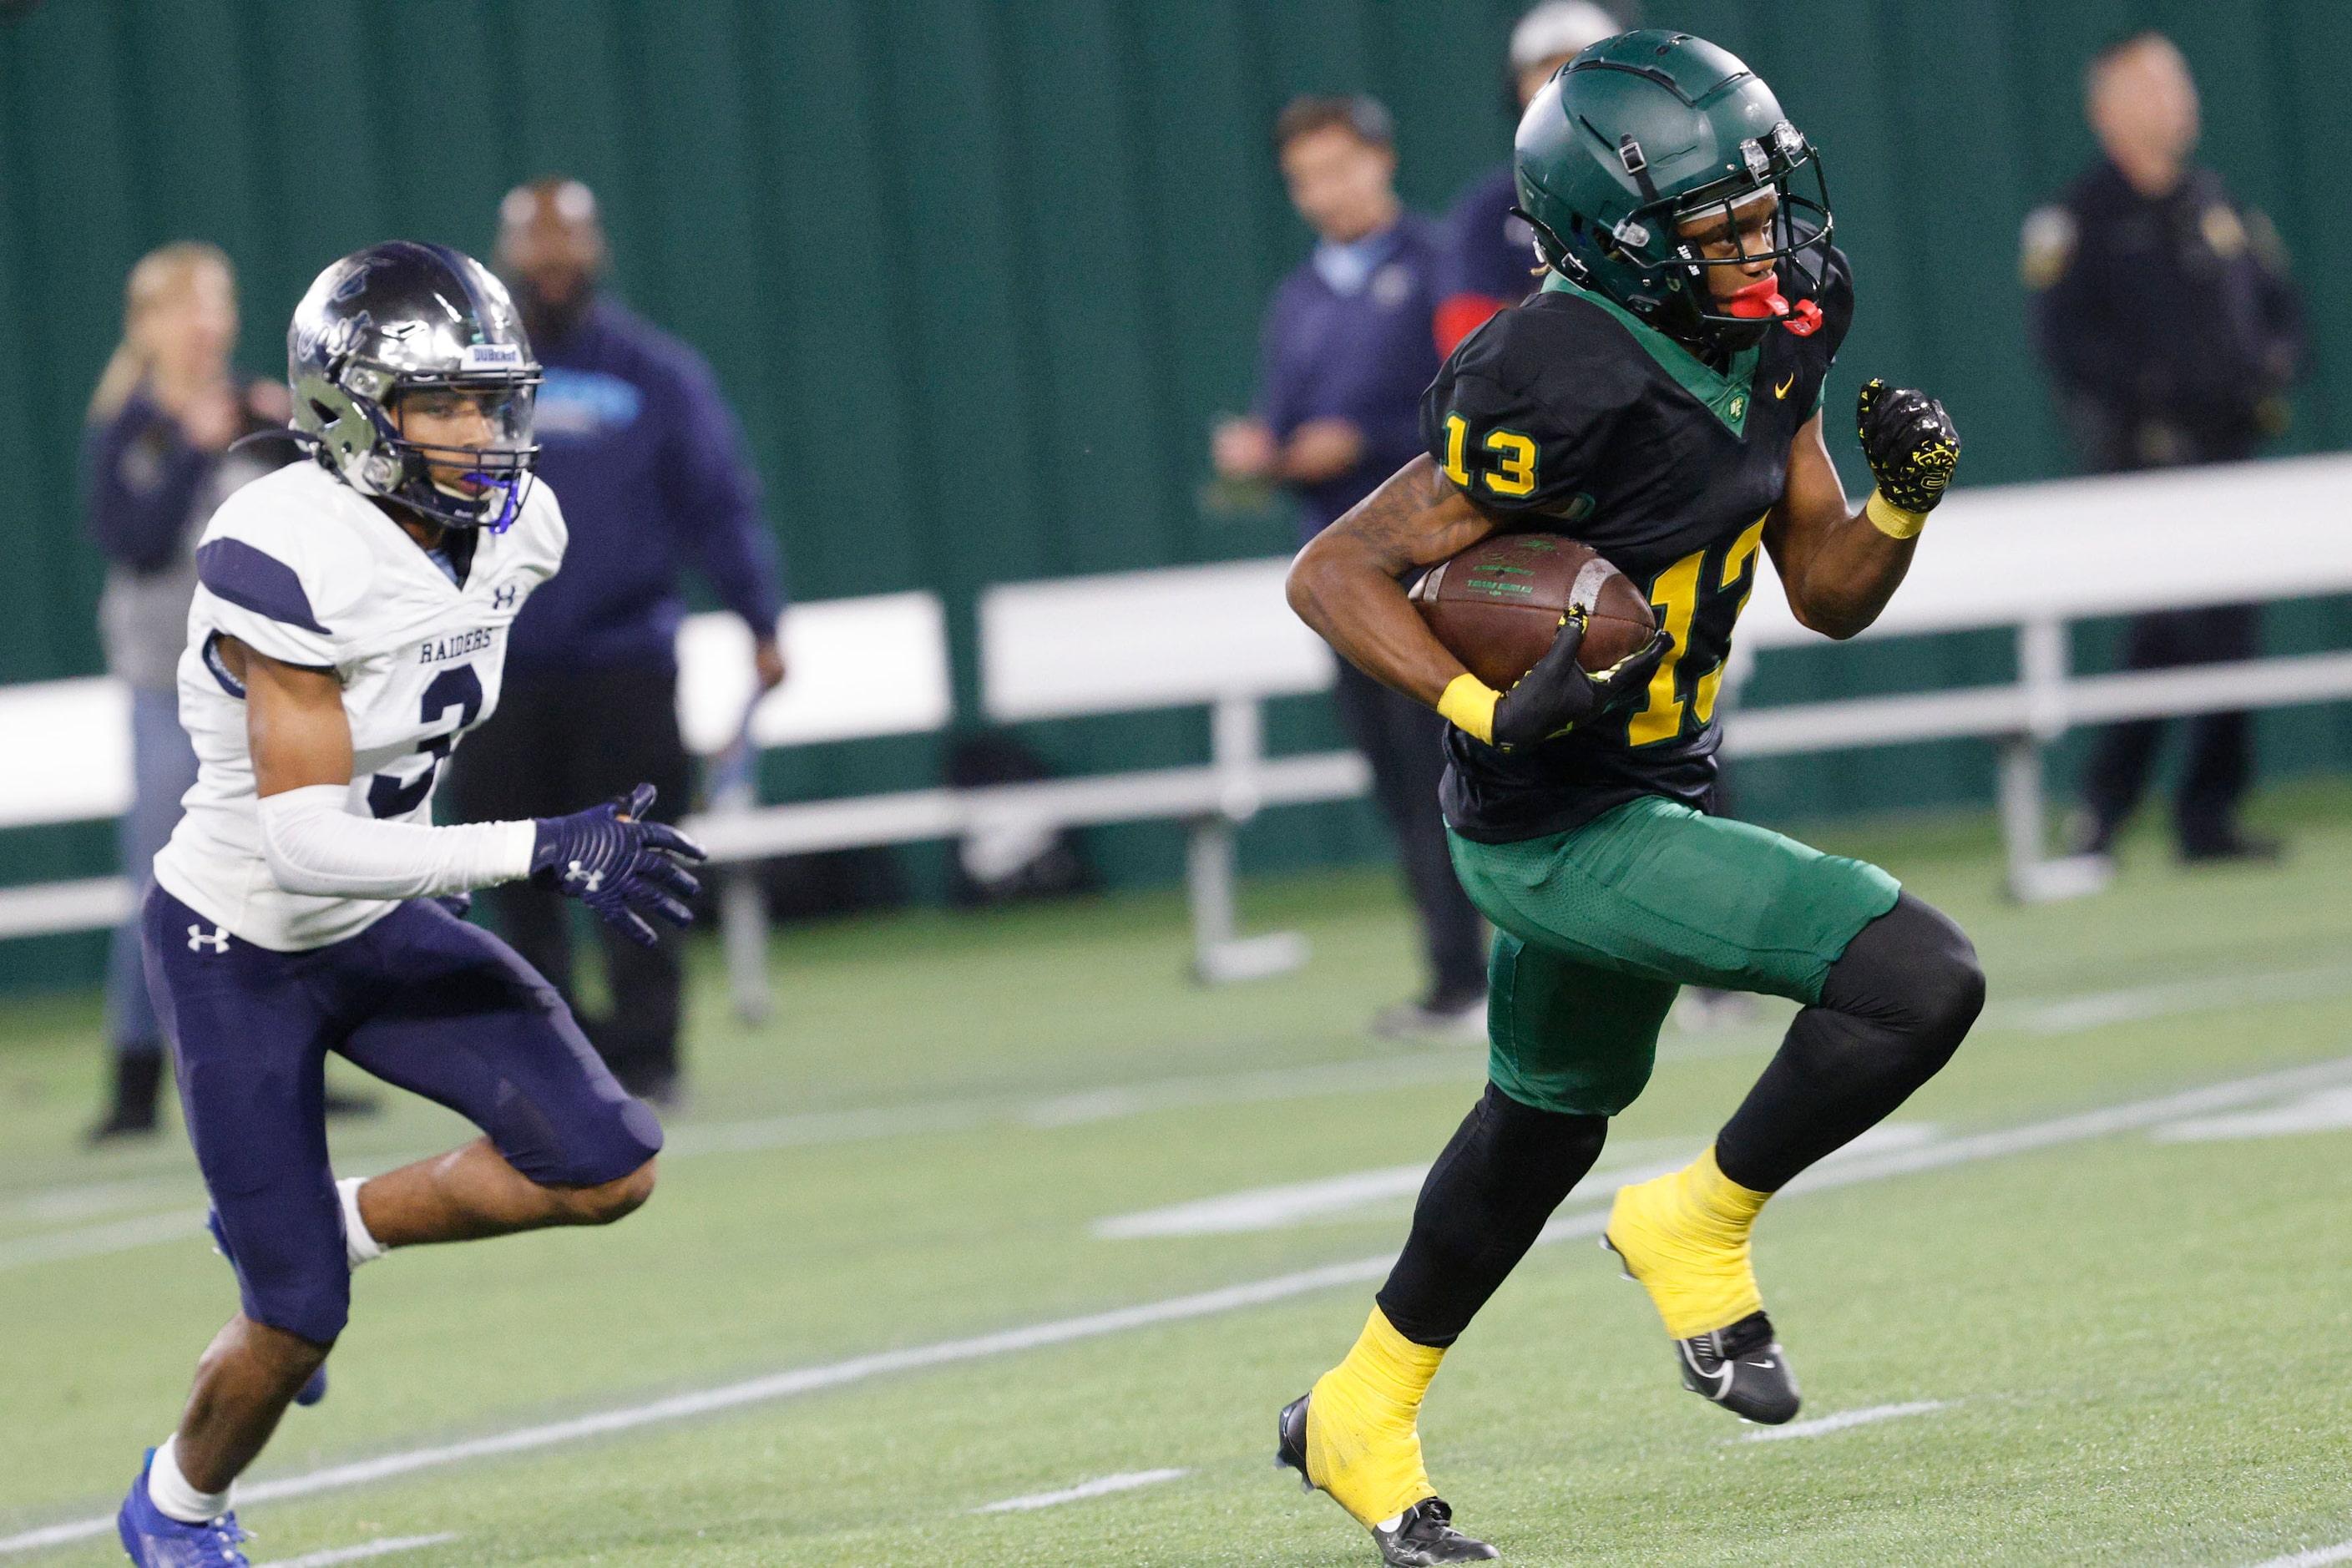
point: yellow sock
(1684, 1238)
(1363, 1446)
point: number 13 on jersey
(1509, 466)
(1695, 605)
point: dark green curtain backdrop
(979, 275)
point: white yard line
(1083, 1490)
(2318, 1557)
(1366, 1075)
(360, 1553)
(1207, 1303)
(2133, 1003)
(2327, 1111)
(62, 1206)
(1821, 1426)
(95, 1240)
(1347, 1196)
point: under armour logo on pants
(196, 939)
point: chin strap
(302, 439)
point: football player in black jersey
(1660, 399)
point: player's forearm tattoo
(1413, 518)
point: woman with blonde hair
(155, 462)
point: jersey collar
(1726, 392)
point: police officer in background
(1343, 357)
(640, 447)
(1488, 257)
(2164, 312)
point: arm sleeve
(314, 845)
(1515, 426)
(718, 511)
(142, 478)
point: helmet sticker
(491, 356)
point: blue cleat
(315, 1388)
(156, 1541)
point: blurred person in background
(1343, 356)
(1489, 264)
(155, 463)
(1488, 259)
(2164, 312)
(636, 437)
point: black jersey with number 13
(1568, 415)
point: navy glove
(1557, 695)
(615, 862)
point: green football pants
(1599, 927)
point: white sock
(359, 1246)
(173, 1498)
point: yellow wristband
(1469, 703)
(1890, 519)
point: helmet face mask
(484, 483)
(401, 321)
(1645, 135)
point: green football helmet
(1641, 133)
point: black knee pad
(1912, 969)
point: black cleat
(1290, 1440)
(1743, 1369)
(1422, 1536)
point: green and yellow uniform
(1592, 853)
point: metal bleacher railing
(2028, 558)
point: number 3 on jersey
(457, 688)
(1696, 610)
(1512, 469)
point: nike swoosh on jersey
(1782, 390)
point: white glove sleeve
(314, 845)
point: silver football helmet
(402, 317)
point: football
(1497, 604)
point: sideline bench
(2031, 558)
(2037, 557)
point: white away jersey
(302, 568)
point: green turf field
(2130, 1334)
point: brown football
(1497, 604)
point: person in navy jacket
(1489, 259)
(1344, 354)
(639, 444)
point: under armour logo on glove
(617, 863)
(196, 939)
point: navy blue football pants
(420, 999)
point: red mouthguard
(1760, 300)
(1763, 301)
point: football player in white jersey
(351, 625)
